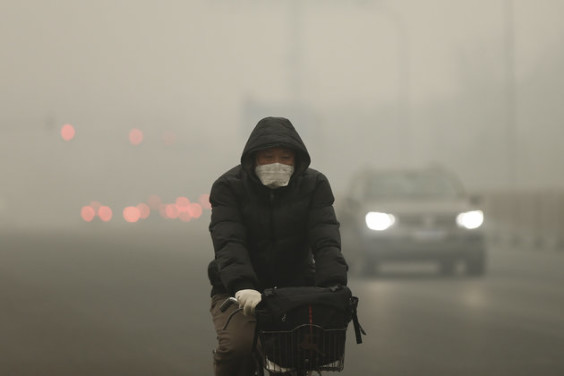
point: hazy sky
(387, 83)
(132, 50)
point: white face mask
(274, 175)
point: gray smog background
(474, 86)
(116, 117)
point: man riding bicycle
(272, 225)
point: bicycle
(304, 349)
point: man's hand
(248, 300)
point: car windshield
(412, 185)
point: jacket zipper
(272, 237)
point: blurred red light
(184, 216)
(171, 211)
(67, 132)
(144, 210)
(182, 201)
(135, 136)
(195, 210)
(204, 200)
(131, 214)
(105, 213)
(87, 213)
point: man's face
(275, 155)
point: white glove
(248, 300)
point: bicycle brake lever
(227, 303)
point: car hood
(414, 206)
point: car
(411, 215)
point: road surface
(134, 300)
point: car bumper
(424, 246)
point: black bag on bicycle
(305, 327)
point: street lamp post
(404, 124)
(510, 126)
(404, 130)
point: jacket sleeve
(324, 237)
(229, 240)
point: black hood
(275, 131)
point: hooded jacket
(262, 237)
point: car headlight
(471, 219)
(379, 221)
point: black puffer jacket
(266, 237)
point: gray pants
(233, 354)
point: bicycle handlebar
(227, 303)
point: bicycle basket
(304, 348)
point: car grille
(427, 220)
